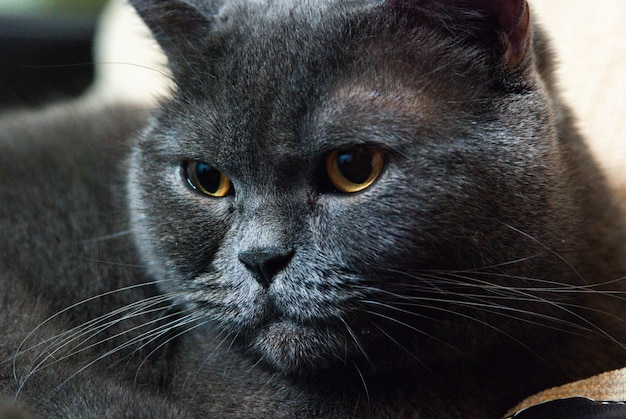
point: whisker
(528, 294)
(69, 308)
(107, 262)
(443, 277)
(569, 265)
(556, 287)
(367, 392)
(223, 339)
(404, 349)
(356, 340)
(413, 328)
(111, 324)
(480, 302)
(144, 67)
(185, 321)
(177, 323)
(137, 307)
(87, 331)
(109, 236)
(465, 316)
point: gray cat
(345, 209)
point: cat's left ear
(512, 20)
(505, 21)
(177, 26)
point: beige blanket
(590, 42)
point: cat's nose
(265, 263)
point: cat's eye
(352, 170)
(206, 179)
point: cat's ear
(512, 20)
(507, 20)
(177, 26)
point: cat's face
(346, 184)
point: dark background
(46, 52)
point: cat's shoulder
(70, 124)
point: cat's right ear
(177, 26)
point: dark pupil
(355, 165)
(208, 177)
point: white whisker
(110, 236)
(561, 258)
(133, 341)
(69, 308)
(77, 340)
(356, 340)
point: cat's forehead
(286, 85)
(348, 115)
(281, 9)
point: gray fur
(485, 264)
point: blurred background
(589, 41)
(45, 49)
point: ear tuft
(177, 26)
(513, 20)
(508, 20)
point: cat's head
(341, 180)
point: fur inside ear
(512, 18)
(507, 20)
(177, 26)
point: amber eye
(354, 169)
(206, 179)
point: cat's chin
(296, 349)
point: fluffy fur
(484, 264)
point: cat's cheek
(177, 231)
(361, 232)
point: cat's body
(60, 201)
(483, 263)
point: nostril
(265, 263)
